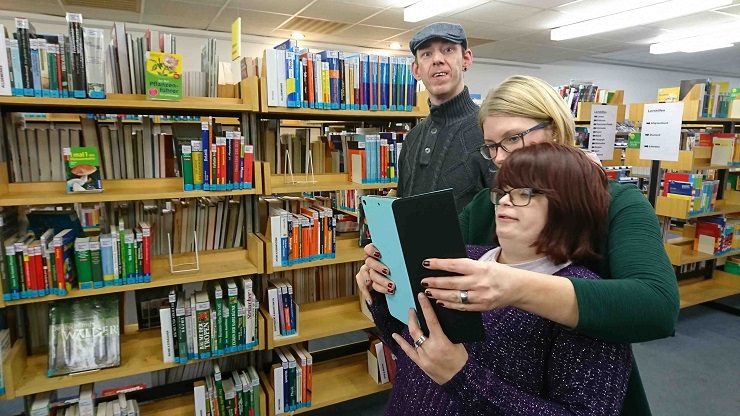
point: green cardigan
(638, 299)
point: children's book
(163, 76)
(82, 169)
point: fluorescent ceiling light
(429, 8)
(695, 44)
(636, 17)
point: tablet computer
(409, 230)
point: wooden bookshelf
(348, 250)
(583, 114)
(184, 405)
(688, 160)
(321, 319)
(698, 291)
(216, 264)
(141, 352)
(47, 193)
(280, 184)
(421, 111)
(346, 211)
(679, 208)
(616, 159)
(334, 381)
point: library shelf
(130, 103)
(346, 211)
(583, 114)
(75, 118)
(141, 352)
(348, 250)
(321, 319)
(684, 254)
(184, 405)
(42, 193)
(421, 111)
(334, 381)
(679, 208)
(697, 291)
(688, 160)
(280, 184)
(214, 264)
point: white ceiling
(513, 30)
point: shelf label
(236, 39)
(661, 131)
(602, 131)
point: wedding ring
(420, 341)
(464, 297)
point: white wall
(639, 84)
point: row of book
(369, 158)
(381, 362)
(55, 262)
(693, 187)
(49, 402)
(717, 235)
(333, 80)
(304, 232)
(221, 395)
(220, 319)
(54, 65)
(314, 284)
(227, 166)
(714, 98)
(292, 378)
(578, 91)
(282, 308)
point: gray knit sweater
(442, 152)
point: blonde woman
(636, 301)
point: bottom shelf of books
(321, 319)
(184, 405)
(722, 284)
(141, 352)
(334, 381)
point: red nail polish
(385, 272)
(425, 263)
(376, 254)
(428, 293)
(390, 286)
(425, 284)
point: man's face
(439, 65)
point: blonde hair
(531, 97)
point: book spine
(203, 311)
(219, 390)
(241, 163)
(197, 161)
(214, 165)
(221, 156)
(206, 147)
(12, 267)
(236, 161)
(229, 150)
(233, 317)
(77, 53)
(165, 321)
(181, 332)
(106, 254)
(83, 263)
(172, 298)
(38, 260)
(94, 63)
(139, 256)
(15, 63)
(130, 252)
(146, 253)
(36, 68)
(248, 166)
(96, 263)
(187, 167)
(64, 85)
(24, 53)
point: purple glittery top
(526, 366)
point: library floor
(696, 372)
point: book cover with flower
(163, 76)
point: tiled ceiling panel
(250, 19)
(273, 6)
(495, 12)
(391, 18)
(338, 11)
(370, 32)
(51, 7)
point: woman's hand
(488, 285)
(373, 275)
(439, 358)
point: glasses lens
(512, 143)
(520, 196)
(496, 195)
(487, 152)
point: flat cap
(441, 30)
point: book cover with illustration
(84, 334)
(82, 169)
(163, 76)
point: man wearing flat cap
(441, 151)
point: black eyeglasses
(519, 197)
(509, 144)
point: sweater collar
(457, 108)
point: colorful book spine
(83, 263)
(146, 233)
(96, 262)
(77, 53)
(197, 163)
(248, 180)
(205, 132)
(187, 167)
(106, 254)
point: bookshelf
(334, 381)
(75, 118)
(700, 290)
(583, 112)
(348, 250)
(141, 352)
(184, 405)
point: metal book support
(178, 266)
(309, 170)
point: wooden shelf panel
(130, 103)
(681, 255)
(678, 208)
(324, 182)
(721, 285)
(322, 319)
(584, 111)
(334, 381)
(347, 251)
(184, 405)
(216, 264)
(41, 193)
(346, 211)
(141, 352)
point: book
(401, 231)
(163, 76)
(82, 169)
(84, 334)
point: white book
(5, 87)
(272, 77)
(275, 232)
(131, 407)
(87, 400)
(199, 393)
(101, 411)
(95, 62)
(381, 363)
(277, 382)
(168, 349)
(273, 309)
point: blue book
(384, 83)
(205, 138)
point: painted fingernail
(390, 286)
(368, 303)
(392, 292)
(425, 263)
(428, 293)
(385, 272)
(441, 304)
(425, 284)
(376, 254)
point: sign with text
(661, 131)
(236, 39)
(602, 131)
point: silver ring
(464, 297)
(420, 341)
(367, 281)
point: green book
(12, 267)
(203, 319)
(96, 262)
(232, 301)
(130, 256)
(219, 389)
(181, 332)
(163, 76)
(83, 263)
(187, 167)
(84, 334)
(633, 140)
(82, 169)
(255, 390)
(217, 302)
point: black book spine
(77, 53)
(342, 83)
(24, 51)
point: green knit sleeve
(477, 220)
(638, 299)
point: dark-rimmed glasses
(519, 197)
(509, 144)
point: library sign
(661, 131)
(602, 131)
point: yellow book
(325, 91)
(668, 95)
(197, 158)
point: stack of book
(370, 158)
(235, 393)
(313, 284)
(292, 378)
(282, 308)
(693, 187)
(301, 233)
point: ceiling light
(635, 17)
(297, 35)
(430, 8)
(695, 44)
(395, 45)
